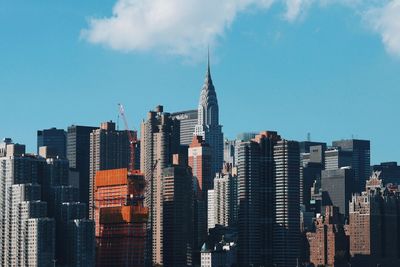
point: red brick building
(328, 243)
(200, 162)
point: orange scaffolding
(120, 218)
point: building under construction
(120, 218)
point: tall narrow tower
(208, 122)
(160, 135)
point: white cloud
(386, 21)
(296, 8)
(173, 26)
(185, 27)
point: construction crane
(132, 141)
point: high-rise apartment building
(63, 205)
(211, 209)
(24, 205)
(54, 138)
(78, 155)
(33, 189)
(256, 199)
(188, 120)
(40, 243)
(241, 137)
(23, 240)
(225, 198)
(109, 149)
(208, 125)
(286, 235)
(361, 159)
(120, 218)
(160, 140)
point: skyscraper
(312, 164)
(286, 236)
(22, 213)
(160, 140)
(120, 218)
(328, 242)
(361, 159)
(337, 188)
(374, 225)
(109, 149)
(188, 120)
(211, 209)
(78, 155)
(177, 216)
(33, 192)
(225, 198)
(208, 123)
(200, 155)
(256, 199)
(40, 243)
(336, 158)
(390, 172)
(230, 151)
(81, 243)
(72, 248)
(54, 138)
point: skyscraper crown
(208, 104)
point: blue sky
(328, 67)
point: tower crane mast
(132, 141)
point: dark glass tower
(78, 154)
(337, 188)
(361, 160)
(54, 138)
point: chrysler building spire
(208, 104)
(208, 120)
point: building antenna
(118, 118)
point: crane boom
(132, 139)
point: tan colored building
(160, 140)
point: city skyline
(288, 61)
(200, 133)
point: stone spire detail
(208, 104)
(208, 125)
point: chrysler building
(208, 122)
